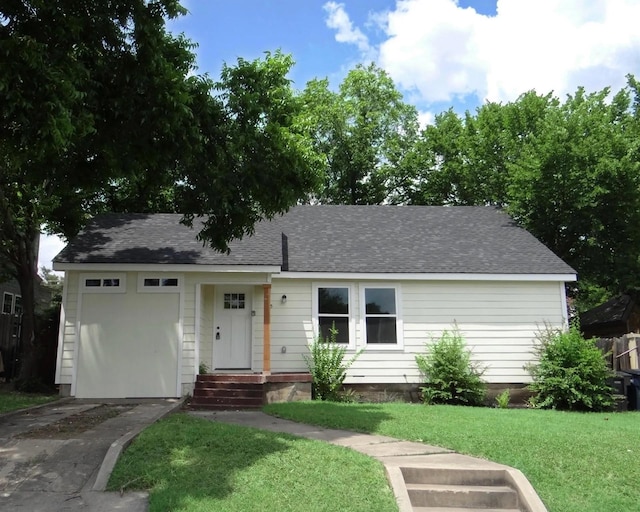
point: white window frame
(15, 301)
(121, 288)
(399, 345)
(352, 311)
(12, 303)
(144, 288)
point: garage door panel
(128, 346)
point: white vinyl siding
(499, 320)
(291, 325)
(65, 365)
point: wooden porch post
(266, 356)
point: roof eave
(163, 267)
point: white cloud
(338, 19)
(439, 50)
(425, 118)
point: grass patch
(192, 464)
(577, 462)
(12, 400)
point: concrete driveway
(47, 464)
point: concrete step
(470, 496)
(463, 509)
(453, 476)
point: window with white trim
(381, 318)
(7, 303)
(158, 283)
(17, 305)
(332, 307)
(106, 283)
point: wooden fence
(623, 353)
(10, 328)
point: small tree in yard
(327, 366)
(451, 377)
(571, 373)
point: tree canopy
(100, 110)
(361, 131)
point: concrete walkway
(55, 475)
(393, 453)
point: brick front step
(227, 385)
(228, 392)
(257, 378)
(228, 402)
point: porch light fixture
(283, 299)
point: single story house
(145, 303)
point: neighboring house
(11, 297)
(145, 303)
(614, 318)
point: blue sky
(440, 53)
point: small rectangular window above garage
(103, 283)
(154, 283)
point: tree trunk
(26, 270)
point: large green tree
(362, 132)
(100, 111)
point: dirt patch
(75, 424)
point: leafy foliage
(503, 399)
(571, 373)
(328, 367)
(451, 377)
(361, 131)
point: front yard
(577, 462)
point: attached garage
(128, 338)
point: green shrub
(327, 366)
(571, 373)
(503, 399)
(203, 368)
(451, 377)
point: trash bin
(633, 390)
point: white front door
(232, 328)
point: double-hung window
(7, 303)
(333, 308)
(381, 316)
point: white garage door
(128, 346)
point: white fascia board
(354, 276)
(165, 267)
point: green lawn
(577, 462)
(191, 464)
(11, 400)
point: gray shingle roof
(336, 238)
